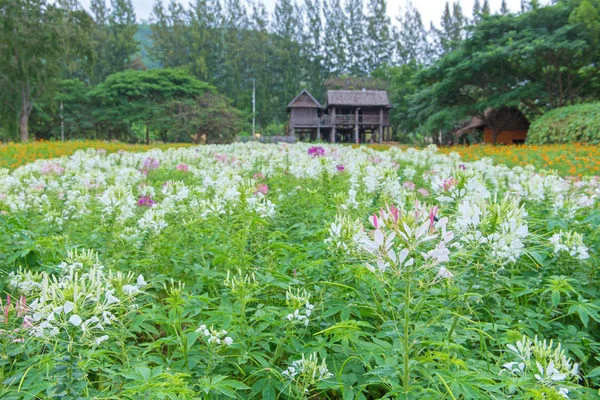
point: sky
(431, 10)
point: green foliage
(274, 129)
(40, 42)
(144, 97)
(579, 123)
(540, 59)
(217, 265)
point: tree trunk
(147, 135)
(24, 123)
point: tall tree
(477, 12)
(287, 62)
(504, 8)
(379, 45)
(355, 37)
(313, 45)
(208, 36)
(485, 8)
(123, 26)
(31, 54)
(170, 35)
(101, 47)
(335, 38)
(412, 36)
(452, 28)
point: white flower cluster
(299, 301)
(571, 243)
(83, 295)
(398, 233)
(25, 282)
(343, 232)
(307, 371)
(549, 366)
(213, 336)
(499, 225)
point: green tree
(122, 28)
(355, 36)
(170, 35)
(100, 34)
(335, 38)
(452, 29)
(504, 8)
(34, 38)
(379, 43)
(209, 116)
(477, 15)
(76, 112)
(412, 36)
(536, 61)
(312, 45)
(142, 97)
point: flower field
(572, 159)
(13, 155)
(297, 272)
(566, 159)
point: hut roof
(304, 100)
(357, 98)
(510, 118)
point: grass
(567, 159)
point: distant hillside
(145, 40)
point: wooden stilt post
(318, 130)
(356, 127)
(333, 125)
(380, 135)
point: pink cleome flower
(183, 167)
(340, 167)
(151, 163)
(409, 185)
(146, 201)
(316, 151)
(262, 188)
(55, 169)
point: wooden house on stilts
(350, 116)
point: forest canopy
(537, 58)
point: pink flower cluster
(262, 188)
(182, 168)
(21, 309)
(146, 201)
(316, 151)
(55, 169)
(151, 163)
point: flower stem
(406, 339)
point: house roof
(304, 100)
(358, 98)
(509, 118)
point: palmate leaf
(222, 385)
(584, 309)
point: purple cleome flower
(316, 151)
(146, 201)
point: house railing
(350, 119)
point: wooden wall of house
(505, 137)
(303, 116)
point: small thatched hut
(507, 125)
